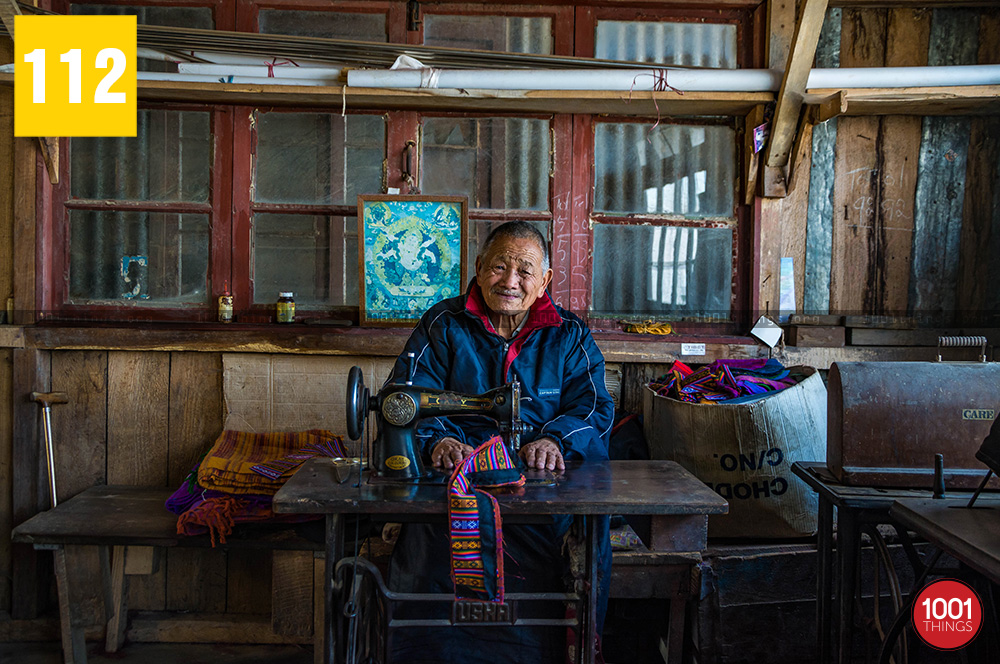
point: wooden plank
(70, 628)
(6, 474)
(292, 593)
(815, 335)
(249, 582)
(195, 409)
(942, 168)
(966, 100)
(906, 45)
(24, 231)
(137, 441)
(508, 101)
(196, 580)
(6, 186)
(795, 212)
(857, 168)
(153, 627)
(30, 569)
(79, 427)
(319, 604)
(793, 83)
(979, 260)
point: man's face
(511, 276)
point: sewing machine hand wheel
(357, 403)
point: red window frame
(571, 179)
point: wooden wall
(900, 210)
(144, 418)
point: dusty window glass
(175, 17)
(662, 270)
(318, 158)
(690, 44)
(142, 258)
(682, 170)
(479, 230)
(330, 25)
(514, 34)
(499, 163)
(314, 256)
(168, 160)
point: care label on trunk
(488, 613)
(692, 349)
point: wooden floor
(160, 653)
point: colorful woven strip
(241, 462)
(474, 518)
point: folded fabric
(241, 462)
(723, 380)
(474, 521)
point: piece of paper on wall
(766, 331)
(786, 302)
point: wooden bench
(130, 525)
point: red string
(274, 63)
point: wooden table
(130, 521)
(971, 536)
(678, 503)
(857, 506)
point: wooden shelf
(964, 100)
(503, 101)
(617, 347)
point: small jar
(286, 307)
(226, 307)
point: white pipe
(240, 80)
(905, 77)
(694, 80)
(263, 71)
(760, 80)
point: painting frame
(411, 254)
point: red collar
(542, 313)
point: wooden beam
(793, 83)
(49, 147)
(964, 100)
(8, 10)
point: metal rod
(982, 485)
(50, 457)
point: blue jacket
(561, 370)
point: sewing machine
(399, 408)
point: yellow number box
(74, 75)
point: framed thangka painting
(411, 251)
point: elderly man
(505, 328)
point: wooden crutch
(47, 400)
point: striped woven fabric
(475, 523)
(241, 462)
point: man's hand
(449, 452)
(543, 454)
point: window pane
(690, 44)
(515, 34)
(499, 163)
(657, 270)
(314, 256)
(331, 25)
(144, 258)
(318, 158)
(177, 17)
(168, 160)
(679, 170)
